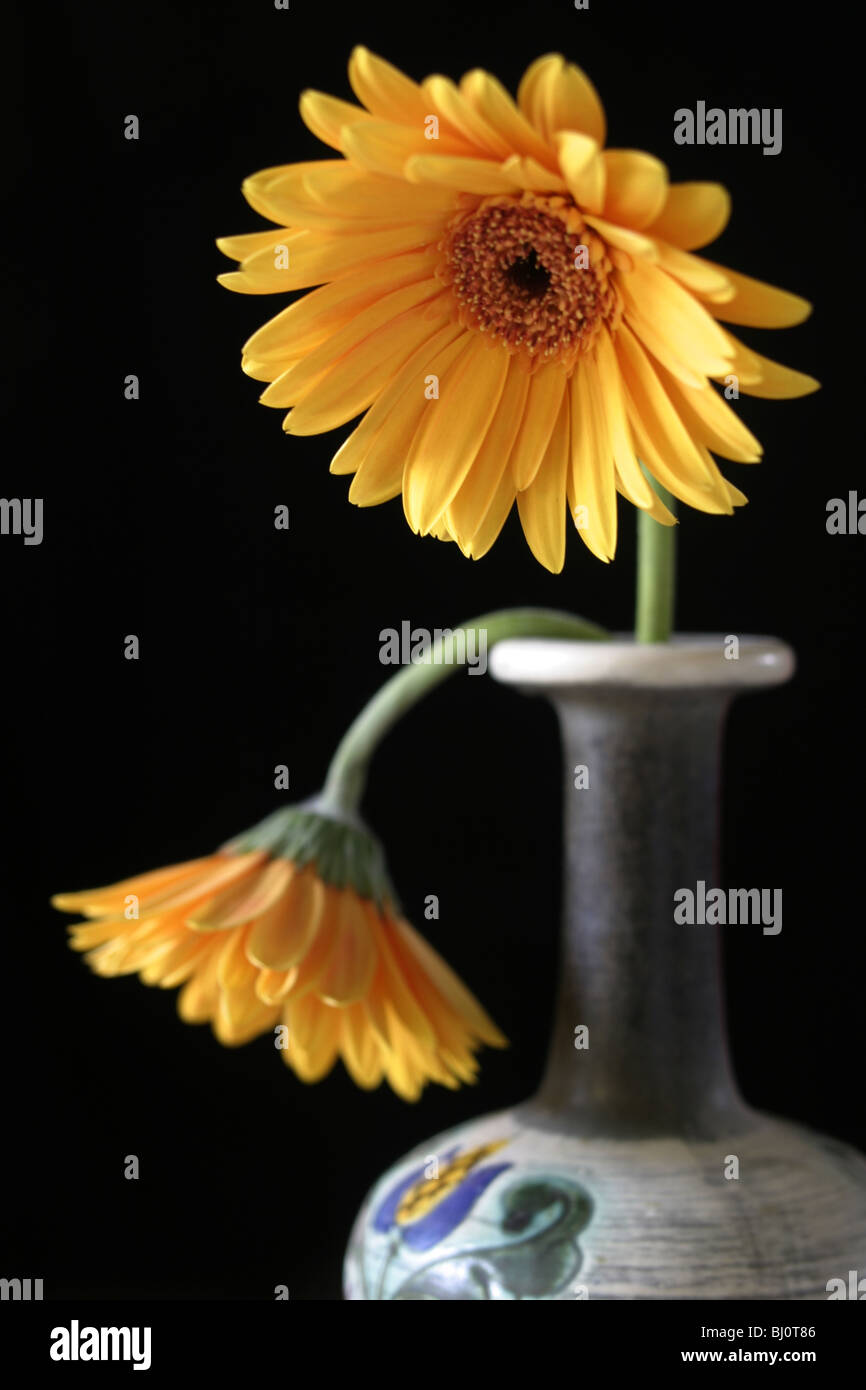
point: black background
(258, 646)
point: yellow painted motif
(427, 1193)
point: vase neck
(640, 823)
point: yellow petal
(272, 986)
(452, 988)
(359, 1049)
(390, 996)
(664, 444)
(493, 520)
(624, 239)
(735, 497)
(178, 964)
(675, 327)
(259, 189)
(451, 1037)
(383, 147)
(555, 95)
(637, 187)
(611, 393)
(358, 378)
(126, 954)
(227, 869)
(701, 277)
(325, 194)
(349, 971)
(311, 258)
(385, 91)
(712, 422)
(592, 483)
(280, 195)
(466, 1071)
(461, 173)
(313, 1064)
(490, 99)
(235, 971)
(243, 248)
(481, 485)
(83, 936)
(403, 1076)
(759, 376)
(529, 173)
(583, 169)
(424, 1062)
(463, 116)
(239, 283)
(328, 117)
(267, 371)
(308, 322)
(377, 449)
(94, 902)
(542, 505)
(452, 431)
(244, 901)
(294, 384)
(240, 1016)
(694, 214)
(546, 390)
(198, 998)
(317, 958)
(348, 192)
(757, 305)
(656, 509)
(311, 1023)
(283, 936)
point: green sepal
(345, 853)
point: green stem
(656, 574)
(347, 774)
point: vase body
(637, 1171)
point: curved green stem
(347, 774)
(656, 574)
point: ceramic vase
(637, 1171)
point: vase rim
(688, 661)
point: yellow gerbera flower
(293, 923)
(516, 309)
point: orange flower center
(530, 273)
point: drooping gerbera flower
(517, 310)
(294, 923)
